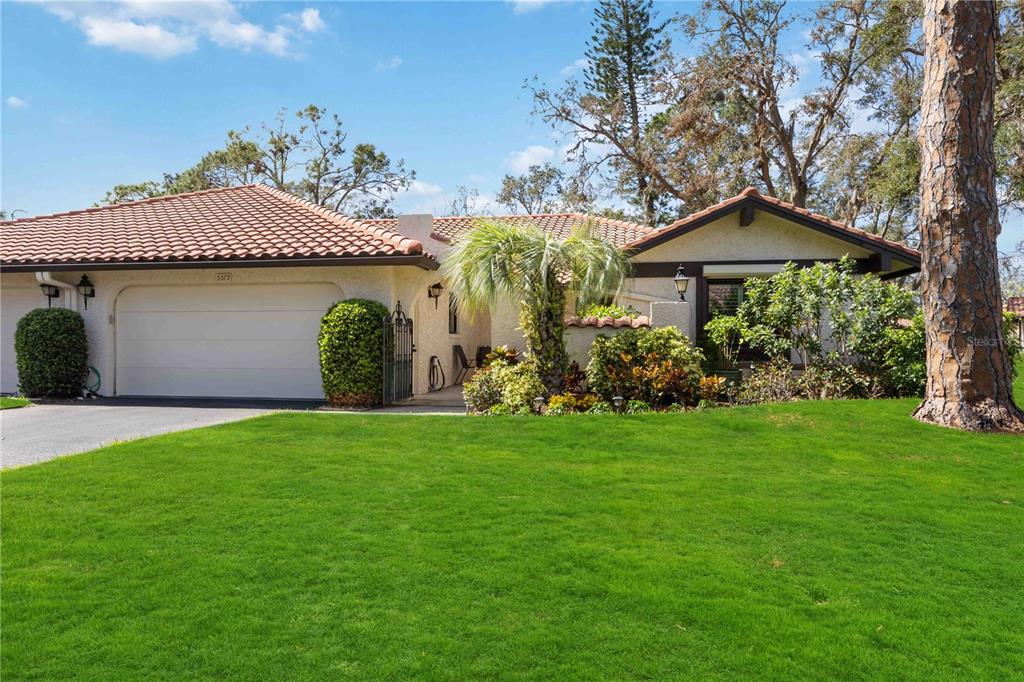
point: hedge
(351, 337)
(52, 353)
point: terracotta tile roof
(561, 225)
(751, 193)
(615, 322)
(1015, 304)
(253, 222)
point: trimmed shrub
(769, 382)
(658, 366)
(637, 407)
(1013, 345)
(351, 338)
(601, 407)
(499, 383)
(903, 368)
(482, 391)
(568, 403)
(519, 383)
(611, 310)
(502, 410)
(52, 353)
(836, 381)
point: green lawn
(7, 403)
(813, 540)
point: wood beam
(746, 215)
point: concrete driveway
(42, 432)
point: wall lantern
(86, 289)
(50, 292)
(681, 282)
(434, 292)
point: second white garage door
(251, 341)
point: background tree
(1010, 106)
(464, 203)
(969, 383)
(539, 190)
(608, 112)
(727, 117)
(541, 274)
(310, 159)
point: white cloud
(148, 39)
(534, 155)
(16, 102)
(524, 6)
(246, 36)
(389, 64)
(577, 65)
(168, 29)
(311, 21)
(418, 188)
(484, 204)
(424, 197)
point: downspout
(70, 293)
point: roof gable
(750, 199)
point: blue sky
(91, 100)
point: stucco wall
(386, 284)
(769, 237)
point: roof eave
(422, 261)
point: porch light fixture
(434, 292)
(50, 292)
(86, 290)
(682, 282)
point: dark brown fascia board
(425, 262)
(899, 273)
(668, 268)
(755, 202)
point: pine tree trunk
(969, 377)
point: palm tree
(540, 273)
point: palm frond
(527, 264)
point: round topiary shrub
(351, 338)
(52, 353)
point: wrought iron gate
(397, 355)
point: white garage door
(13, 304)
(252, 341)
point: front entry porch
(446, 401)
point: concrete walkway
(446, 401)
(38, 433)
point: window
(724, 297)
(453, 317)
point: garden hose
(93, 388)
(436, 372)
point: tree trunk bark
(969, 375)
(543, 327)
